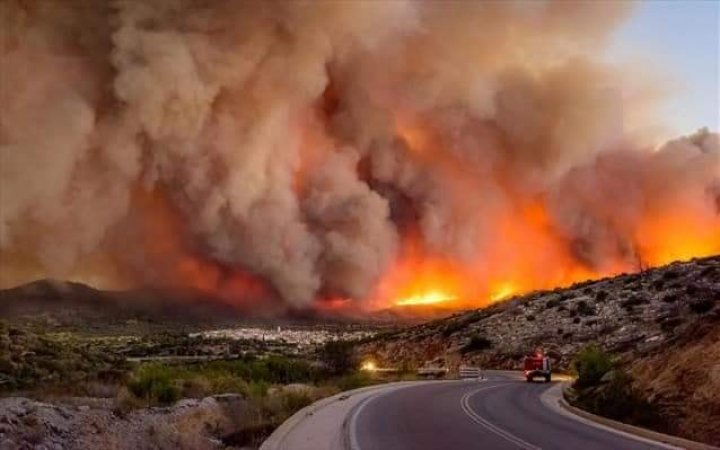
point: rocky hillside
(25, 423)
(630, 314)
(663, 325)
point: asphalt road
(501, 413)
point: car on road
(537, 365)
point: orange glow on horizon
(503, 291)
(528, 251)
(529, 255)
(426, 298)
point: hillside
(68, 305)
(63, 304)
(663, 324)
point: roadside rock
(189, 424)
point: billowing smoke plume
(309, 150)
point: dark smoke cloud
(286, 136)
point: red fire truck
(537, 365)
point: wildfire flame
(426, 298)
(503, 291)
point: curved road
(501, 413)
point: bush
(584, 309)
(552, 303)
(591, 363)
(257, 389)
(619, 400)
(670, 323)
(295, 401)
(125, 402)
(223, 383)
(702, 306)
(453, 327)
(670, 275)
(339, 357)
(354, 381)
(476, 343)
(275, 369)
(197, 386)
(155, 384)
(633, 301)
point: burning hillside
(350, 155)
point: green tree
(591, 363)
(339, 357)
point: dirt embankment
(683, 380)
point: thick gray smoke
(292, 138)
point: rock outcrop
(189, 424)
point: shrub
(670, 323)
(552, 303)
(155, 384)
(223, 383)
(601, 296)
(125, 402)
(339, 357)
(197, 386)
(591, 363)
(658, 285)
(257, 389)
(295, 401)
(702, 306)
(354, 381)
(530, 318)
(619, 400)
(453, 327)
(584, 309)
(670, 275)
(633, 301)
(476, 343)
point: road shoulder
(320, 426)
(553, 399)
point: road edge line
(632, 431)
(278, 436)
(350, 423)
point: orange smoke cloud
(337, 155)
(169, 259)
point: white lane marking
(354, 444)
(352, 428)
(465, 404)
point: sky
(681, 38)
